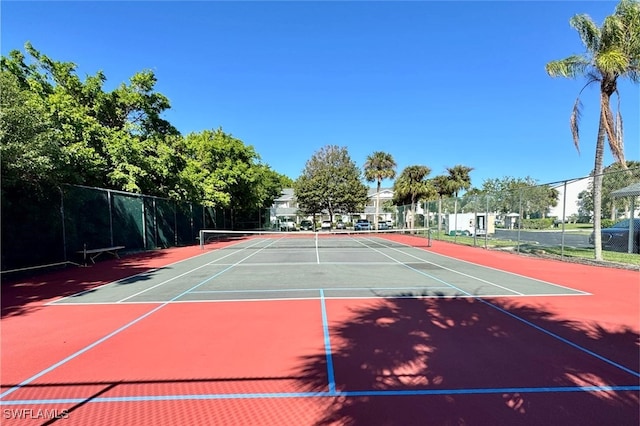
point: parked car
(362, 225)
(382, 225)
(616, 237)
(306, 225)
(326, 225)
(390, 224)
(287, 225)
(341, 225)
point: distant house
(386, 194)
(286, 206)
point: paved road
(546, 238)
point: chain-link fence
(52, 228)
(557, 216)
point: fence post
(519, 220)
(110, 200)
(64, 233)
(475, 221)
(564, 213)
(144, 224)
(175, 223)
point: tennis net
(417, 237)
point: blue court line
(529, 323)
(80, 352)
(562, 339)
(327, 346)
(113, 333)
(280, 395)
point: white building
(569, 206)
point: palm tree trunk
(375, 220)
(597, 181)
(439, 214)
(413, 212)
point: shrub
(606, 223)
(537, 223)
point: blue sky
(432, 83)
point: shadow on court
(407, 345)
(21, 295)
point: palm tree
(458, 180)
(412, 184)
(442, 187)
(379, 165)
(612, 52)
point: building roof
(371, 192)
(632, 190)
(287, 195)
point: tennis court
(327, 328)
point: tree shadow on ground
(491, 368)
(21, 295)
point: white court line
(191, 270)
(250, 264)
(115, 332)
(431, 276)
(453, 296)
(148, 271)
(476, 264)
(318, 289)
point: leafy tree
(222, 171)
(378, 166)
(310, 197)
(523, 195)
(614, 177)
(29, 157)
(101, 139)
(411, 186)
(331, 181)
(285, 181)
(612, 52)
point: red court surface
(502, 361)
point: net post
(201, 236)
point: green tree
(331, 181)
(30, 159)
(521, 195)
(614, 177)
(310, 197)
(412, 186)
(443, 188)
(612, 52)
(379, 166)
(458, 180)
(113, 140)
(222, 171)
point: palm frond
(628, 14)
(570, 67)
(615, 143)
(613, 33)
(588, 31)
(612, 61)
(574, 122)
(619, 128)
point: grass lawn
(569, 252)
